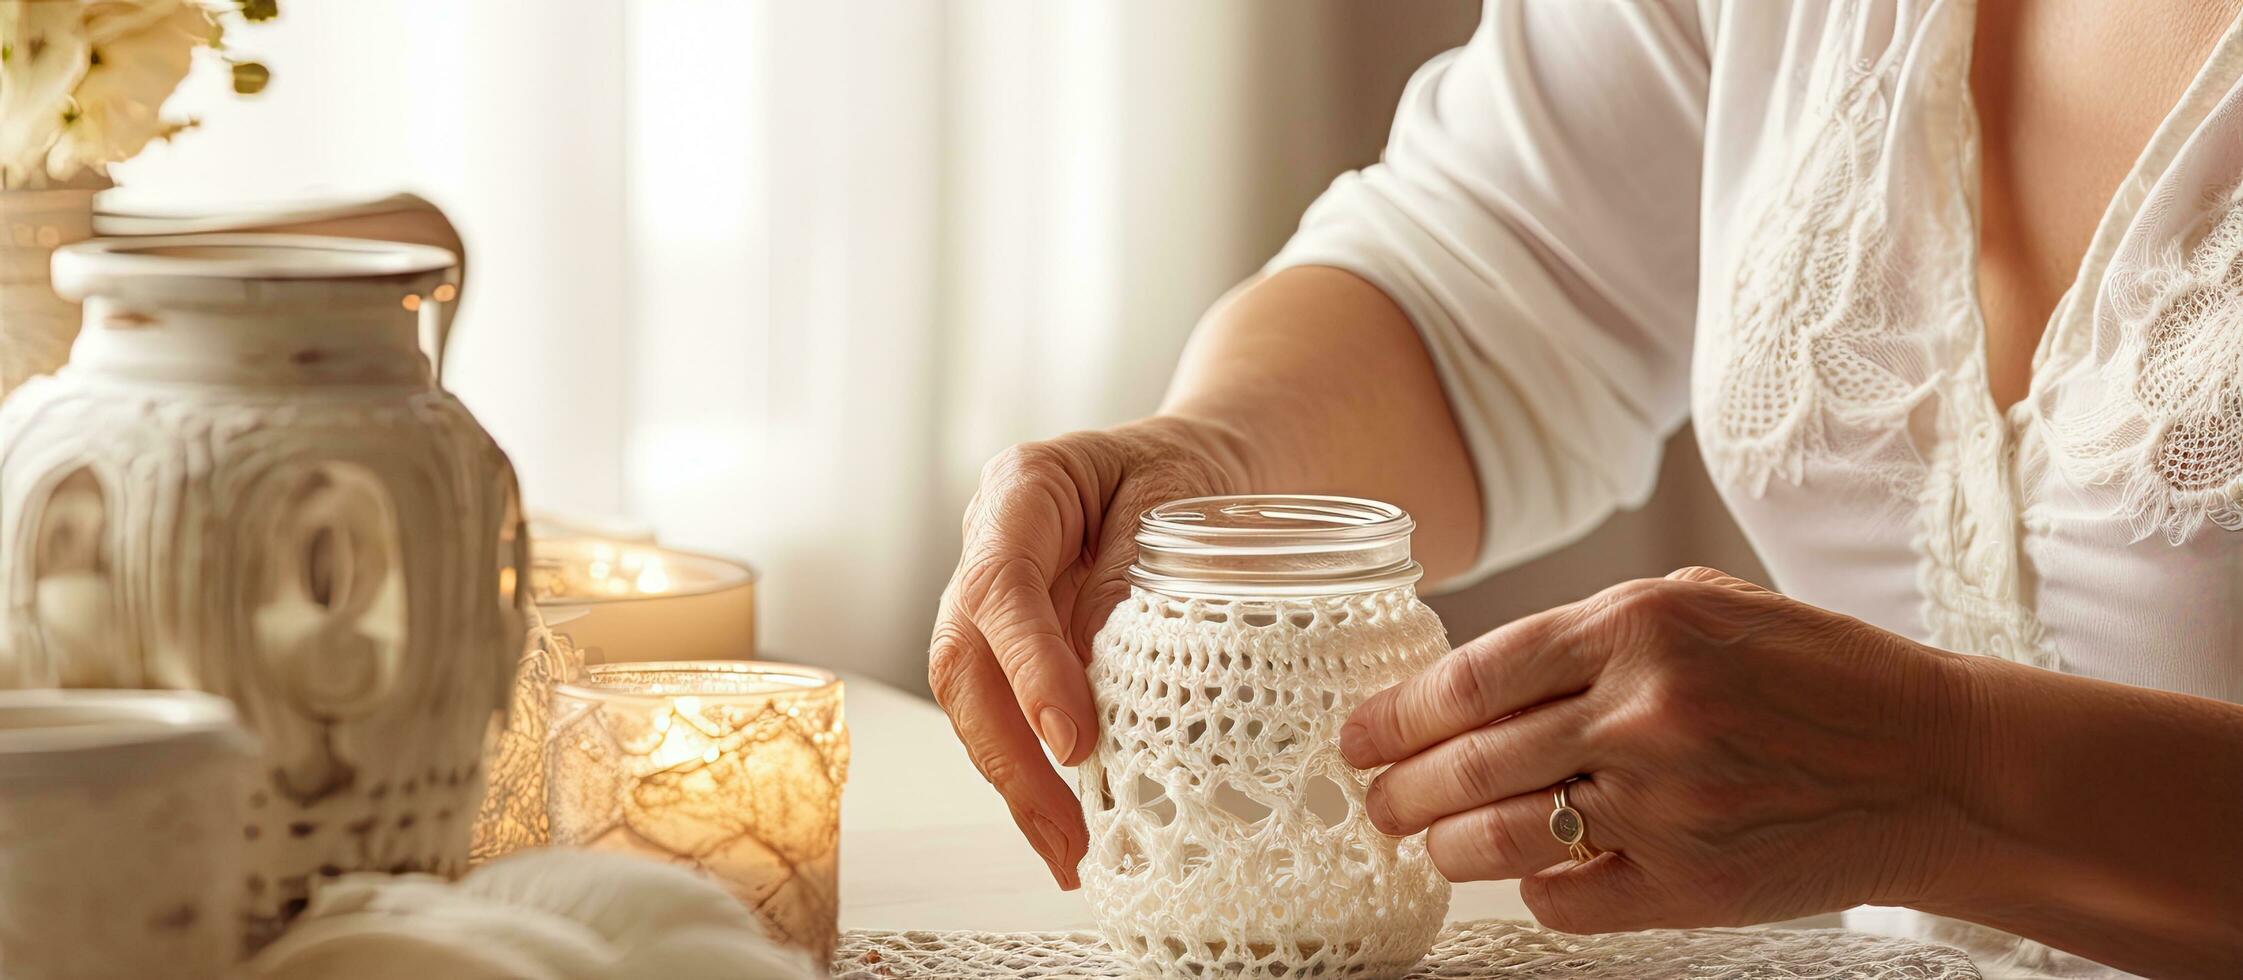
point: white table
(926, 844)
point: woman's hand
(1747, 758)
(1048, 538)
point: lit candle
(734, 768)
(594, 590)
(652, 601)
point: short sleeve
(1535, 214)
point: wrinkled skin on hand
(1048, 539)
(1744, 758)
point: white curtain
(873, 244)
(775, 277)
(506, 115)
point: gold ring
(1569, 828)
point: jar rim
(1285, 513)
(1273, 546)
(720, 682)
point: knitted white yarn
(1483, 950)
(1228, 837)
(512, 816)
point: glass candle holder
(632, 595)
(734, 768)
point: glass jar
(1227, 836)
(732, 768)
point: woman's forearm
(1320, 384)
(2108, 820)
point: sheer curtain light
(923, 232)
(502, 113)
(775, 278)
(784, 205)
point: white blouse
(1605, 217)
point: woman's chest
(2067, 93)
(1843, 392)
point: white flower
(83, 82)
(42, 57)
(137, 54)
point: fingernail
(1355, 743)
(1058, 731)
(1055, 850)
(1380, 811)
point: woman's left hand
(1743, 757)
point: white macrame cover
(1220, 748)
(512, 816)
(1484, 950)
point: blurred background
(774, 279)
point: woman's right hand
(1048, 538)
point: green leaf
(255, 10)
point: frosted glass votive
(732, 767)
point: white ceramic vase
(120, 839)
(245, 481)
(36, 326)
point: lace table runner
(1465, 951)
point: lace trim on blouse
(2167, 433)
(1832, 354)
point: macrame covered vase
(246, 482)
(1228, 836)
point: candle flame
(687, 735)
(653, 578)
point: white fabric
(535, 915)
(1603, 217)
(1227, 836)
